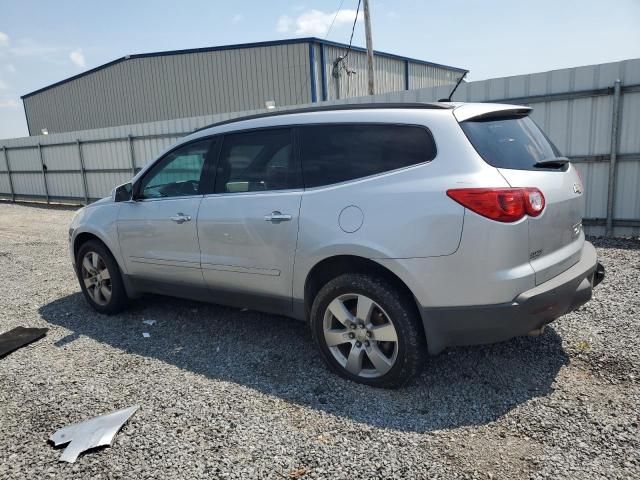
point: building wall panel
(428, 76)
(65, 185)
(5, 187)
(63, 157)
(388, 74)
(24, 159)
(174, 86)
(630, 128)
(147, 150)
(100, 184)
(595, 177)
(107, 155)
(28, 183)
(627, 197)
(148, 88)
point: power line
(340, 61)
(308, 78)
(353, 29)
(334, 19)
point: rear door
(515, 145)
(248, 228)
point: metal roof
(236, 47)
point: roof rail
(332, 108)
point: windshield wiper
(554, 162)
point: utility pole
(367, 31)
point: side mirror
(123, 193)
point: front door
(248, 228)
(157, 231)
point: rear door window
(516, 142)
(339, 152)
(257, 161)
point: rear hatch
(510, 141)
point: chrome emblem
(535, 254)
(577, 188)
(575, 229)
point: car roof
(334, 108)
(461, 110)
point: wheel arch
(85, 236)
(331, 267)
(82, 238)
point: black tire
(400, 309)
(118, 300)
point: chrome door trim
(272, 272)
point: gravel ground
(226, 393)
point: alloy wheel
(360, 335)
(96, 278)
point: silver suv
(394, 230)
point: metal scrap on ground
(97, 432)
(19, 337)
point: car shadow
(275, 355)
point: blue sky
(42, 42)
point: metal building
(204, 81)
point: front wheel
(100, 279)
(368, 331)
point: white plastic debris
(149, 322)
(146, 334)
(97, 432)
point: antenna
(454, 88)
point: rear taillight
(500, 204)
(533, 202)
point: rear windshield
(514, 142)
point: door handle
(277, 217)
(181, 218)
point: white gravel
(226, 393)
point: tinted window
(178, 174)
(336, 153)
(515, 143)
(257, 161)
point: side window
(257, 161)
(178, 174)
(341, 152)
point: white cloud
(316, 22)
(10, 68)
(77, 57)
(284, 24)
(10, 103)
(3, 85)
(4, 39)
(237, 18)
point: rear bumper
(472, 325)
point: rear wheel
(368, 331)
(100, 279)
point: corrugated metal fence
(591, 113)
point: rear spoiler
(485, 111)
